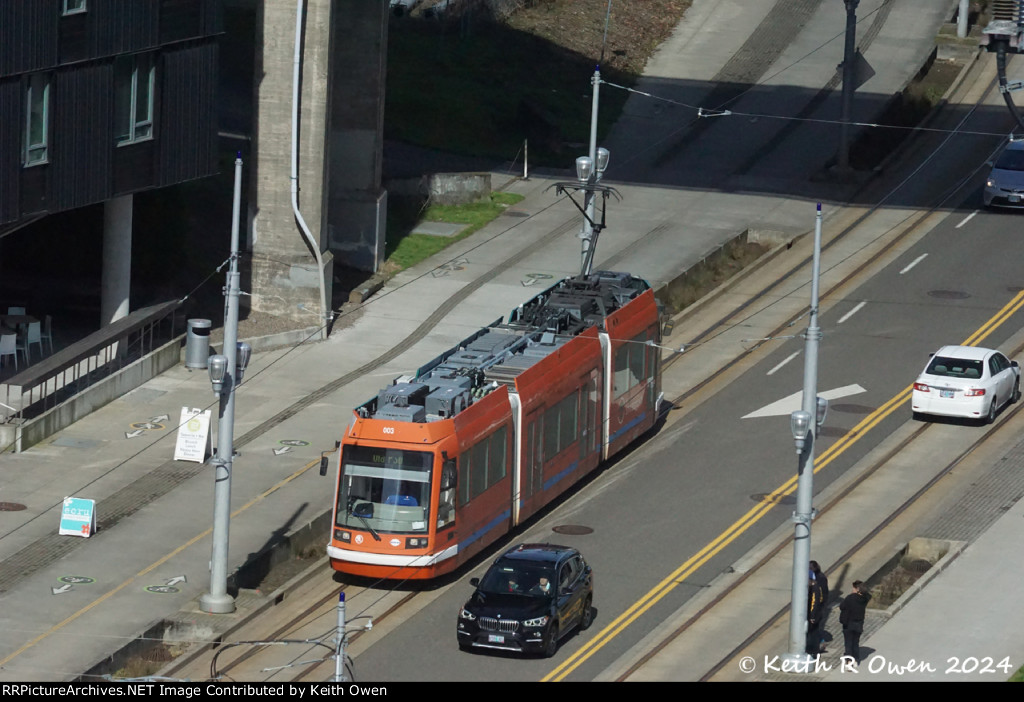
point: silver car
(1005, 184)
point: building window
(133, 98)
(37, 118)
(73, 6)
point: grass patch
(409, 249)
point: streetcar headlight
(342, 535)
(536, 623)
(416, 542)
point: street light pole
(587, 233)
(226, 374)
(805, 424)
(849, 78)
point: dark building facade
(103, 98)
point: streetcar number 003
(388, 430)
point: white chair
(9, 347)
(31, 335)
(15, 310)
(47, 335)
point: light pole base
(216, 604)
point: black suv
(532, 596)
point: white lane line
(784, 362)
(914, 263)
(967, 219)
(852, 312)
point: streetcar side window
(631, 367)
(561, 425)
(483, 465)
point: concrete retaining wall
(31, 432)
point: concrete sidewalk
(154, 512)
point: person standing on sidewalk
(815, 608)
(821, 580)
(851, 616)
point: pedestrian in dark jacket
(821, 581)
(851, 616)
(815, 608)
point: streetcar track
(280, 635)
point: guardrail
(75, 368)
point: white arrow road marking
(133, 434)
(788, 405)
(161, 418)
(177, 579)
(60, 590)
(283, 449)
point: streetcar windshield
(384, 490)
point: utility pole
(587, 233)
(805, 433)
(226, 374)
(849, 80)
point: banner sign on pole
(78, 517)
(193, 436)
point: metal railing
(74, 368)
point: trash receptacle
(197, 343)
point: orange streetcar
(443, 462)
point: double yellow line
(680, 574)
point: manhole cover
(949, 294)
(851, 408)
(572, 530)
(832, 431)
(774, 499)
(11, 507)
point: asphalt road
(676, 492)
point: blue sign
(78, 517)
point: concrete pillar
(115, 288)
(285, 277)
(356, 202)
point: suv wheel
(551, 645)
(1016, 391)
(588, 616)
(991, 412)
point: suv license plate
(1014, 198)
(495, 638)
(945, 393)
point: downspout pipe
(313, 244)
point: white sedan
(966, 381)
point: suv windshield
(518, 578)
(386, 490)
(955, 367)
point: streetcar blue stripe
(627, 427)
(562, 474)
(482, 531)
